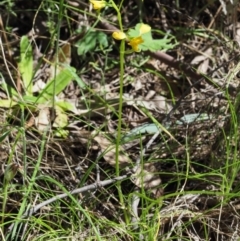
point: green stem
(118, 15)
(5, 197)
(119, 128)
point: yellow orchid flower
(134, 42)
(98, 5)
(119, 35)
(144, 29)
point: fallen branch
(93, 186)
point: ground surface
(178, 152)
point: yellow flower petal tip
(144, 28)
(97, 5)
(134, 42)
(119, 35)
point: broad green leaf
(57, 85)
(147, 37)
(154, 45)
(30, 99)
(189, 118)
(133, 33)
(26, 64)
(9, 90)
(152, 128)
(141, 130)
(102, 39)
(7, 103)
(139, 30)
(67, 106)
(91, 41)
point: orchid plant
(139, 39)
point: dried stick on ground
(93, 186)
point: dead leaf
(203, 61)
(161, 104)
(198, 59)
(64, 55)
(147, 176)
(63, 58)
(203, 67)
(38, 86)
(205, 55)
(109, 152)
(137, 84)
(42, 121)
(30, 122)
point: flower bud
(119, 35)
(98, 5)
(11, 171)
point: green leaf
(140, 130)
(67, 106)
(154, 45)
(7, 103)
(57, 85)
(91, 41)
(60, 122)
(26, 64)
(61, 133)
(102, 39)
(80, 82)
(9, 90)
(147, 37)
(189, 118)
(30, 99)
(61, 119)
(4, 135)
(135, 32)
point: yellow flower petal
(134, 42)
(97, 5)
(119, 35)
(144, 28)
